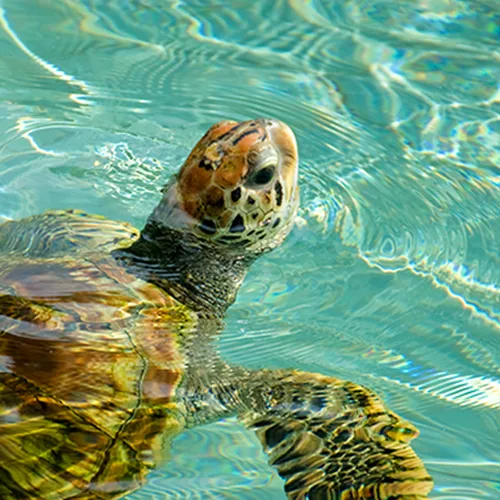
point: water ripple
(391, 274)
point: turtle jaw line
(248, 242)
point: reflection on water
(391, 275)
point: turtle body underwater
(106, 342)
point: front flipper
(332, 439)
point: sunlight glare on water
(391, 276)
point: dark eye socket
(264, 175)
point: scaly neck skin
(195, 272)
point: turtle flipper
(330, 438)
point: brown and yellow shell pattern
(92, 350)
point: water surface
(391, 275)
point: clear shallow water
(391, 276)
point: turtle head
(234, 198)
(238, 187)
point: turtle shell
(89, 361)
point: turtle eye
(263, 176)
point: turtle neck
(202, 275)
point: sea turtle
(106, 352)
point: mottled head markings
(238, 187)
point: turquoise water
(391, 275)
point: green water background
(391, 275)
